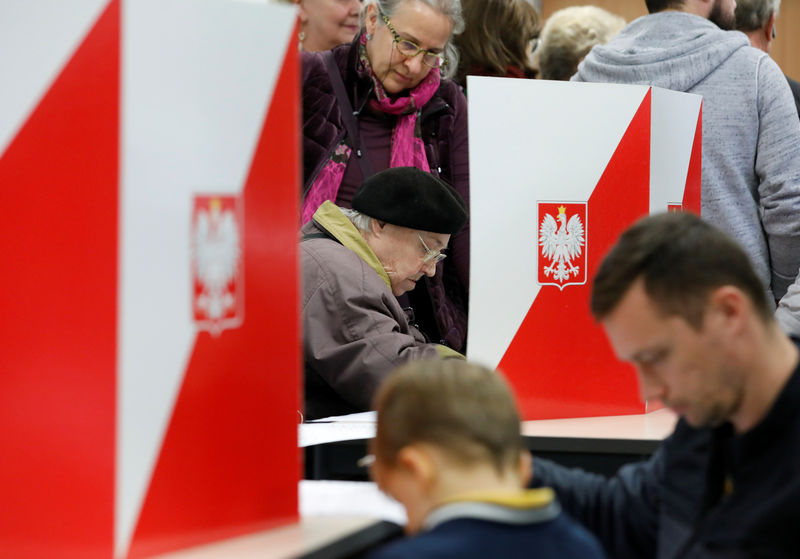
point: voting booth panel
(557, 171)
(149, 159)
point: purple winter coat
(443, 125)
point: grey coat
(354, 330)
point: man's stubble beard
(722, 20)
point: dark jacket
(354, 330)
(705, 493)
(481, 530)
(443, 123)
(795, 87)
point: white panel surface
(673, 125)
(197, 79)
(529, 141)
(36, 41)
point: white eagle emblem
(561, 243)
(216, 253)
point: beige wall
(785, 50)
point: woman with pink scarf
(383, 101)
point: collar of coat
(524, 507)
(329, 216)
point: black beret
(410, 197)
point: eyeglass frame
(398, 39)
(435, 255)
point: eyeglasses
(410, 49)
(366, 461)
(431, 255)
(535, 43)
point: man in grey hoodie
(751, 133)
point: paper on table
(338, 428)
(348, 498)
(362, 417)
(319, 433)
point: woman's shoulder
(313, 63)
(451, 93)
(328, 256)
(335, 272)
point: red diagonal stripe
(691, 195)
(58, 191)
(559, 361)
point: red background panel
(58, 293)
(560, 362)
(691, 193)
(229, 463)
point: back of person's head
(569, 35)
(654, 6)
(681, 260)
(498, 34)
(465, 410)
(754, 14)
(449, 8)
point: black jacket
(705, 493)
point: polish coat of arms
(217, 267)
(562, 244)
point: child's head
(446, 427)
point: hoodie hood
(673, 50)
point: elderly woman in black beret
(384, 101)
(355, 262)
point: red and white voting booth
(558, 170)
(149, 383)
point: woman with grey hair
(385, 100)
(568, 36)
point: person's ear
(769, 31)
(301, 11)
(376, 227)
(730, 307)
(371, 19)
(419, 464)
(525, 467)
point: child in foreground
(448, 448)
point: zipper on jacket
(433, 153)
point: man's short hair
(654, 6)
(681, 259)
(754, 14)
(465, 410)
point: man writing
(679, 300)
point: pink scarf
(408, 149)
